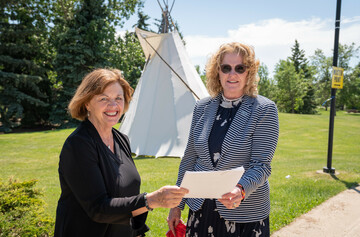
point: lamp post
(328, 168)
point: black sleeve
(80, 169)
(138, 224)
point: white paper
(211, 184)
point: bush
(21, 210)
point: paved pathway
(338, 216)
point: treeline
(301, 85)
(47, 46)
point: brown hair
(93, 84)
(213, 66)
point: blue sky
(271, 26)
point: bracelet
(242, 191)
(147, 204)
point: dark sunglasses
(226, 68)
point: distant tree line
(302, 85)
(47, 46)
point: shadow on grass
(349, 185)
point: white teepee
(159, 117)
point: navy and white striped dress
(247, 138)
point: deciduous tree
(129, 57)
(345, 96)
(323, 67)
(291, 87)
(266, 85)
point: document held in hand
(211, 184)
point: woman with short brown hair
(100, 185)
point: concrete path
(338, 216)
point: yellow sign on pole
(337, 78)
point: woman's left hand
(232, 199)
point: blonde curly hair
(213, 66)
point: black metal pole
(328, 168)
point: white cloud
(273, 38)
(350, 20)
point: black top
(224, 116)
(99, 189)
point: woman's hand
(232, 199)
(167, 197)
(174, 218)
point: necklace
(107, 142)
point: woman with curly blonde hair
(232, 128)
(251, 64)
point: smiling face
(232, 83)
(106, 108)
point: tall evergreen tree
(298, 57)
(309, 100)
(25, 58)
(301, 67)
(142, 21)
(86, 44)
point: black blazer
(98, 188)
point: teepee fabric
(159, 117)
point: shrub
(22, 211)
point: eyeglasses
(239, 69)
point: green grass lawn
(302, 150)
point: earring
(88, 114)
